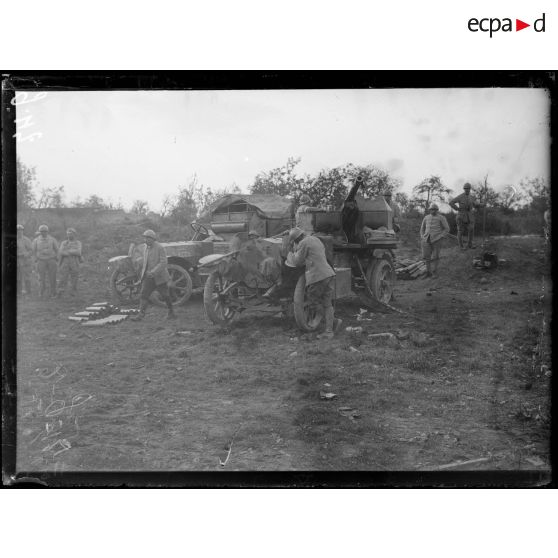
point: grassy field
(467, 380)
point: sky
(129, 145)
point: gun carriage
(359, 242)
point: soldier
(464, 205)
(69, 258)
(305, 207)
(24, 262)
(433, 229)
(154, 275)
(45, 250)
(320, 276)
(396, 212)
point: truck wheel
(380, 276)
(123, 287)
(218, 301)
(306, 317)
(180, 287)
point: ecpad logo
(493, 25)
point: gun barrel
(359, 181)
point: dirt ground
(468, 380)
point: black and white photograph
(281, 279)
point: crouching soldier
(320, 276)
(69, 258)
(24, 262)
(154, 275)
(45, 250)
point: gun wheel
(380, 276)
(306, 316)
(219, 296)
(123, 287)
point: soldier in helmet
(69, 258)
(305, 207)
(24, 262)
(154, 275)
(464, 205)
(433, 229)
(320, 276)
(45, 250)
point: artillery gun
(359, 242)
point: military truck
(359, 241)
(226, 217)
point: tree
(184, 208)
(430, 190)
(537, 193)
(94, 202)
(510, 199)
(26, 182)
(404, 202)
(140, 207)
(282, 181)
(51, 197)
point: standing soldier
(154, 275)
(320, 277)
(45, 250)
(396, 212)
(433, 229)
(24, 262)
(69, 258)
(305, 207)
(464, 205)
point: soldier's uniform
(45, 250)
(433, 229)
(69, 258)
(24, 262)
(320, 276)
(464, 205)
(154, 275)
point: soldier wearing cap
(154, 275)
(69, 258)
(433, 229)
(24, 261)
(320, 276)
(464, 205)
(45, 250)
(396, 212)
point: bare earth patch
(465, 386)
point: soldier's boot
(329, 319)
(143, 307)
(170, 314)
(428, 268)
(460, 240)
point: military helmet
(20, 228)
(71, 230)
(253, 233)
(43, 228)
(295, 233)
(150, 234)
(466, 186)
(434, 206)
(305, 199)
